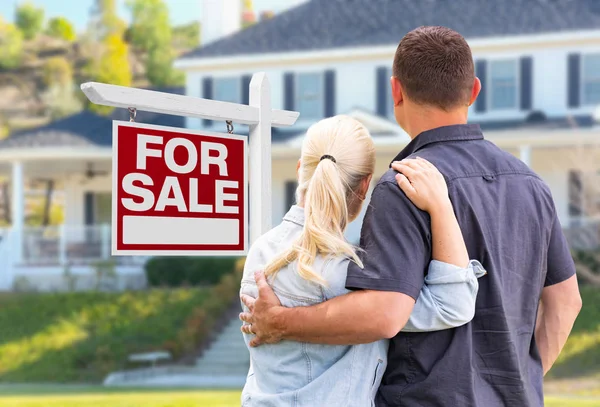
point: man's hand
(262, 320)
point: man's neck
(428, 119)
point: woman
(305, 259)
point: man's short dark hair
(435, 67)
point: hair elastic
(328, 157)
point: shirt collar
(295, 215)
(457, 132)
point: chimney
(220, 18)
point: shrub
(180, 271)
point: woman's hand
(423, 184)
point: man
(509, 221)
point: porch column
(525, 154)
(18, 210)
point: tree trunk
(48, 202)
(588, 275)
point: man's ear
(397, 93)
(475, 91)
(298, 170)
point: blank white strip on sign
(174, 231)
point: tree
(113, 67)
(104, 20)
(57, 71)
(186, 36)
(11, 45)
(151, 32)
(29, 19)
(60, 27)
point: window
(227, 90)
(102, 208)
(309, 95)
(591, 79)
(503, 80)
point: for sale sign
(178, 192)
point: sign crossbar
(258, 115)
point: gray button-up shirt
(303, 374)
(509, 222)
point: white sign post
(258, 115)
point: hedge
(187, 271)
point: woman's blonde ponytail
(337, 155)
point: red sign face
(178, 192)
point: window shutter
(288, 94)
(246, 89)
(207, 93)
(526, 83)
(88, 208)
(383, 91)
(574, 80)
(329, 93)
(481, 72)
(290, 194)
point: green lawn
(581, 355)
(71, 396)
(81, 337)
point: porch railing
(66, 244)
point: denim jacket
(311, 375)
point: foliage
(151, 32)
(60, 27)
(57, 71)
(186, 36)
(11, 45)
(36, 215)
(180, 271)
(61, 101)
(160, 72)
(105, 21)
(29, 19)
(581, 354)
(112, 67)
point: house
(538, 61)
(75, 152)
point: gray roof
(325, 24)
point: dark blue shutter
(288, 91)
(574, 80)
(383, 91)
(88, 208)
(329, 93)
(207, 93)
(526, 83)
(246, 89)
(481, 72)
(290, 194)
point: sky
(77, 11)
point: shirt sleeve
(447, 300)
(396, 244)
(560, 262)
